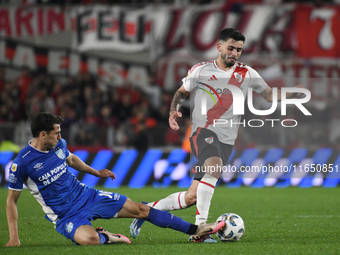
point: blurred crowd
(138, 3)
(97, 114)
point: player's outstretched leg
(175, 201)
(165, 219)
(112, 238)
(136, 226)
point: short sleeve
(193, 73)
(17, 175)
(257, 82)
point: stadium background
(110, 71)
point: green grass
(277, 221)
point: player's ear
(219, 46)
(43, 134)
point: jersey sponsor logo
(14, 167)
(60, 154)
(226, 91)
(209, 140)
(53, 175)
(69, 227)
(38, 166)
(212, 89)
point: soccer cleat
(113, 238)
(209, 239)
(206, 239)
(136, 226)
(205, 230)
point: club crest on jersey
(60, 154)
(14, 167)
(69, 227)
(238, 77)
(209, 140)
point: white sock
(205, 191)
(175, 201)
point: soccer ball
(233, 230)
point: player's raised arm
(79, 165)
(176, 103)
(267, 94)
(12, 217)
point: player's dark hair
(44, 121)
(232, 33)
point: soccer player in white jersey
(43, 166)
(211, 144)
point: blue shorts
(94, 204)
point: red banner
(317, 31)
(35, 21)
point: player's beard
(49, 147)
(228, 62)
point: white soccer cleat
(135, 227)
(113, 238)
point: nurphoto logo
(238, 99)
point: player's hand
(105, 173)
(172, 119)
(297, 95)
(14, 242)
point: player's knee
(144, 211)
(92, 239)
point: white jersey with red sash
(208, 81)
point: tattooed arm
(176, 104)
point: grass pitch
(277, 221)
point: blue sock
(165, 219)
(103, 238)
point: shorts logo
(69, 227)
(60, 154)
(209, 140)
(14, 167)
